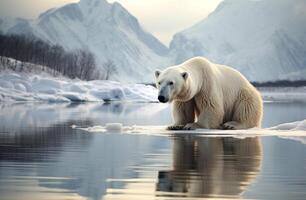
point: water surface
(42, 157)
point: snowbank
(27, 87)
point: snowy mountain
(264, 39)
(107, 30)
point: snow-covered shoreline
(26, 87)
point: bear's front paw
(232, 125)
(191, 126)
(175, 127)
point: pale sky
(162, 18)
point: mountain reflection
(211, 167)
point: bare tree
(109, 69)
(80, 63)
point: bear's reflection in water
(211, 167)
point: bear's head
(171, 84)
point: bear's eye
(159, 83)
(170, 83)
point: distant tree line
(78, 64)
(281, 83)
(26, 67)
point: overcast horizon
(162, 18)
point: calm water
(42, 157)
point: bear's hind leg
(183, 113)
(247, 111)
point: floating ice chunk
(114, 127)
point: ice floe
(288, 129)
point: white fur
(209, 96)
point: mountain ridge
(107, 30)
(265, 40)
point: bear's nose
(161, 99)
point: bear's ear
(157, 73)
(185, 75)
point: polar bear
(208, 95)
